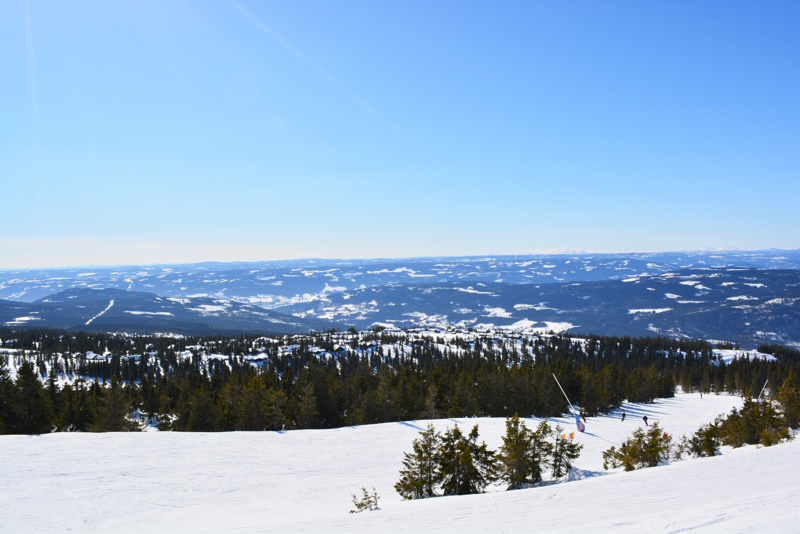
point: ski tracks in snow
(101, 313)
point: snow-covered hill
(739, 305)
(745, 298)
(748, 306)
(280, 283)
(116, 310)
(303, 480)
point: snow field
(303, 481)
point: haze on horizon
(175, 132)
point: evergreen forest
(67, 381)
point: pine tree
(202, 412)
(113, 409)
(541, 451)
(230, 407)
(704, 442)
(150, 401)
(640, 450)
(385, 396)
(431, 411)
(524, 453)
(658, 445)
(34, 410)
(307, 406)
(7, 398)
(52, 385)
(420, 474)
(464, 466)
(515, 453)
(275, 406)
(565, 451)
(789, 398)
(756, 422)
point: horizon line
(534, 253)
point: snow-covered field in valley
(303, 481)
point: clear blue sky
(178, 130)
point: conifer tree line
(331, 379)
(757, 422)
(455, 463)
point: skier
(623, 416)
(583, 416)
(645, 420)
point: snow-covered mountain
(287, 282)
(116, 310)
(744, 297)
(303, 481)
(743, 305)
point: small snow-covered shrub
(368, 502)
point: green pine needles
(465, 467)
(367, 503)
(755, 423)
(420, 474)
(565, 451)
(455, 463)
(642, 449)
(525, 454)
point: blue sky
(155, 131)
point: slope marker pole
(762, 390)
(573, 412)
(562, 391)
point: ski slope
(303, 480)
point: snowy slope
(302, 481)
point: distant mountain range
(745, 297)
(115, 310)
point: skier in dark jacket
(645, 420)
(623, 416)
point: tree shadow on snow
(574, 474)
(599, 437)
(637, 411)
(415, 427)
(580, 474)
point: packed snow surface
(303, 481)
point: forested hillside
(92, 382)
